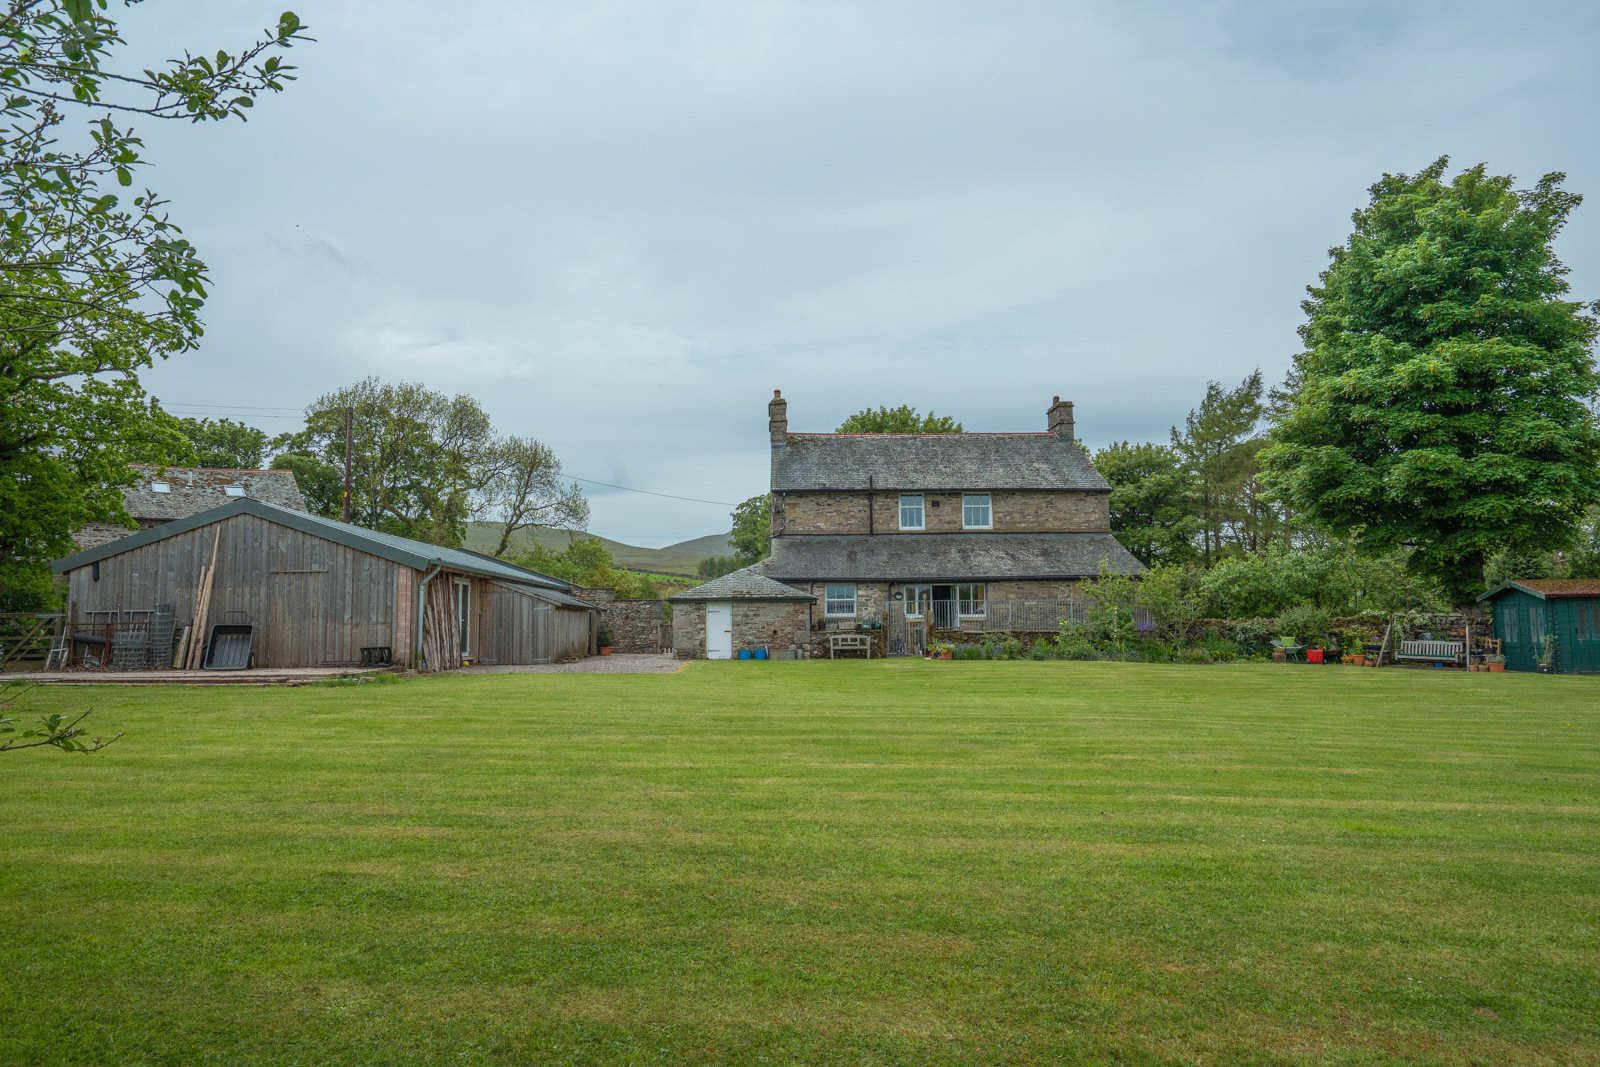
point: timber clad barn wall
(314, 603)
(319, 592)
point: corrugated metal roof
(419, 555)
(946, 557)
(934, 462)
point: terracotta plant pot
(1360, 661)
(1497, 668)
(605, 650)
(947, 654)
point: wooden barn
(1548, 623)
(314, 593)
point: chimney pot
(778, 419)
(1060, 420)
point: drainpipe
(422, 592)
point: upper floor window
(976, 514)
(839, 600)
(912, 516)
(160, 487)
(233, 490)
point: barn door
(294, 632)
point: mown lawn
(899, 862)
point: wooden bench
(849, 643)
(1436, 651)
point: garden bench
(1436, 651)
(849, 643)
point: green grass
(900, 862)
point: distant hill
(681, 558)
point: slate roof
(747, 583)
(418, 555)
(946, 557)
(195, 489)
(1548, 588)
(934, 462)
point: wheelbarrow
(231, 644)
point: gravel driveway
(621, 663)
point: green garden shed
(1564, 609)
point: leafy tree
(1441, 402)
(1584, 559)
(320, 482)
(1333, 578)
(96, 283)
(523, 488)
(1172, 595)
(716, 566)
(1151, 492)
(752, 531)
(903, 419)
(225, 443)
(423, 463)
(1217, 446)
(587, 562)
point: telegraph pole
(349, 454)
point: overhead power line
(259, 412)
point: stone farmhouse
(165, 494)
(903, 537)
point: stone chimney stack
(778, 419)
(1060, 416)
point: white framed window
(233, 490)
(464, 615)
(912, 514)
(976, 512)
(839, 600)
(918, 599)
(160, 487)
(972, 600)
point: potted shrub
(942, 650)
(605, 638)
(1497, 664)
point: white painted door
(719, 630)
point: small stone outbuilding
(741, 610)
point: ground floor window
(1505, 620)
(972, 600)
(839, 600)
(918, 600)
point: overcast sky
(621, 225)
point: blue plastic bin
(761, 653)
(744, 653)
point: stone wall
(95, 534)
(636, 625)
(689, 630)
(1031, 511)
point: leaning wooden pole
(202, 609)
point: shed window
(1506, 616)
(160, 487)
(976, 513)
(912, 516)
(972, 600)
(1587, 622)
(234, 490)
(839, 600)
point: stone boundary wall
(636, 625)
